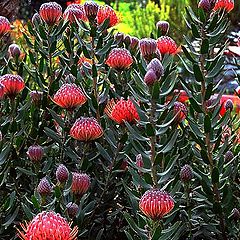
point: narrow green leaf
(207, 124)
(195, 105)
(198, 73)
(215, 175)
(205, 46)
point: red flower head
(163, 26)
(122, 110)
(167, 45)
(80, 183)
(5, 26)
(180, 110)
(105, 12)
(86, 129)
(73, 2)
(119, 58)
(44, 187)
(13, 84)
(69, 96)
(50, 12)
(62, 173)
(91, 10)
(226, 5)
(2, 92)
(156, 203)
(148, 48)
(73, 12)
(35, 153)
(48, 226)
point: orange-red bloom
(69, 96)
(2, 92)
(122, 110)
(48, 226)
(86, 129)
(167, 45)
(80, 183)
(119, 58)
(13, 84)
(105, 12)
(50, 12)
(5, 26)
(227, 5)
(156, 203)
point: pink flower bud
(163, 26)
(35, 153)
(36, 97)
(91, 10)
(186, 173)
(72, 209)
(80, 183)
(44, 187)
(14, 50)
(62, 173)
(150, 77)
(157, 67)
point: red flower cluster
(119, 58)
(80, 183)
(13, 84)
(69, 96)
(5, 26)
(227, 5)
(106, 12)
(73, 12)
(50, 12)
(167, 45)
(122, 110)
(156, 203)
(48, 226)
(86, 129)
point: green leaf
(195, 31)
(94, 71)
(35, 202)
(205, 46)
(209, 90)
(150, 130)
(198, 73)
(215, 175)
(195, 105)
(135, 133)
(207, 124)
(42, 32)
(12, 218)
(103, 152)
(134, 227)
(188, 55)
(168, 147)
(57, 118)
(4, 153)
(53, 135)
(204, 156)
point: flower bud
(44, 187)
(14, 50)
(70, 78)
(119, 37)
(148, 48)
(80, 183)
(150, 77)
(72, 209)
(62, 173)
(35, 153)
(186, 173)
(36, 20)
(163, 26)
(134, 43)
(235, 214)
(205, 5)
(91, 10)
(229, 105)
(228, 156)
(36, 97)
(180, 111)
(156, 66)
(124, 165)
(127, 40)
(139, 162)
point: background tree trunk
(9, 9)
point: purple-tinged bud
(156, 66)
(127, 40)
(235, 214)
(91, 10)
(124, 165)
(150, 77)
(80, 183)
(36, 20)
(148, 48)
(186, 173)
(139, 162)
(36, 97)
(119, 37)
(72, 209)
(134, 43)
(163, 26)
(62, 173)
(205, 5)
(1, 136)
(44, 187)
(70, 78)
(229, 105)
(228, 156)
(35, 153)
(14, 50)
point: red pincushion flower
(2, 92)
(69, 96)
(35, 153)
(76, 9)
(5, 26)
(119, 58)
(73, 13)
(13, 84)
(86, 129)
(48, 226)
(50, 12)
(180, 110)
(105, 12)
(227, 5)
(122, 110)
(156, 203)
(80, 183)
(167, 45)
